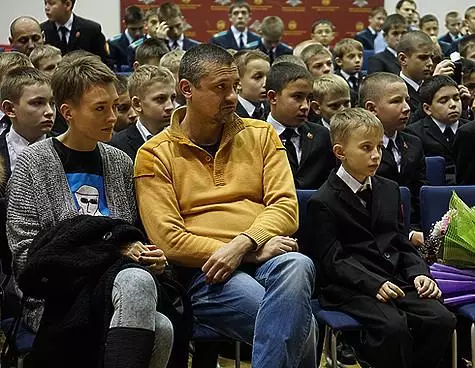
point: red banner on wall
(204, 18)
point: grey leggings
(134, 297)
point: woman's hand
(148, 255)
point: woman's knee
(137, 284)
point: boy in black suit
(272, 30)
(308, 145)
(453, 23)
(348, 54)
(377, 16)
(152, 92)
(69, 32)
(27, 100)
(253, 67)
(238, 35)
(330, 95)
(386, 61)
(367, 266)
(134, 28)
(403, 160)
(442, 103)
(152, 30)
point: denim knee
(296, 265)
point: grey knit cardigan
(38, 197)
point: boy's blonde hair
(146, 75)
(15, 81)
(272, 28)
(329, 83)
(244, 57)
(171, 60)
(346, 121)
(312, 50)
(73, 78)
(41, 52)
(345, 46)
(12, 60)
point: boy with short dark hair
(330, 95)
(429, 24)
(323, 31)
(27, 99)
(134, 30)
(403, 160)
(318, 59)
(367, 266)
(467, 47)
(253, 67)
(152, 92)
(46, 58)
(386, 61)
(441, 100)
(272, 30)
(348, 54)
(150, 52)
(126, 115)
(376, 19)
(453, 23)
(308, 145)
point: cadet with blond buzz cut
(318, 59)
(46, 58)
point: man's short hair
(346, 121)
(312, 50)
(469, 11)
(286, 58)
(133, 14)
(11, 60)
(168, 11)
(239, 4)
(171, 60)
(413, 41)
(345, 46)
(282, 74)
(15, 81)
(41, 52)
(122, 81)
(272, 27)
(401, 2)
(426, 19)
(146, 75)
(431, 85)
(372, 88)
(150, 48)
(393, 21)
(322, 21)
(196, 62)
(72, 79)
(466, 45)
(377, 10)
(451, 15)
(244, 57)
(329, 83)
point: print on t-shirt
(89, 194)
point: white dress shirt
(279, 128)
(354, 184)
(237, 34)
(411, 82)
(16, 144)
(68, 25)
(144, 132)
(179, 42)
(347, 77)
(443, 126)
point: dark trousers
(403, 333)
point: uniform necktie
(449, 134)
(241, 40)
(365, 195)
(286, 136)
(64, 40)
(258, 112)
(175, 45)
(354, 82)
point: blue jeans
(270, 310)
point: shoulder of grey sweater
(116, 156)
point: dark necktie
(241, 40)
(390, 147)
(365, 195)
(449, 134)
(286, 137)
(354, 81)
(63, 40)
(258, 112)
(271, 55)
(175, 45)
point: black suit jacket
(435, 143)
(118, 49)
(464, 152)
(366, 38)
(383, 62)
(353, 91)
(417, 112)
(446, 38)
(128, 140)
(413, 169)
(317, 159)
(226, 39)
(280, 49)
(357, 250)
(85, 35)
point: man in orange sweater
(216, 192)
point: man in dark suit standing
(134, 28)
(238, 36)
(69, 32)
(386, 61)
(308, 144)
(368, 35)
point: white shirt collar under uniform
(237, 33)
(411, 82)
(352, 183)
(144, 132)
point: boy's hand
(162, 30)
(426, 287)
(276, 246)
(417, 239)
(465, 96)
(445, 67)
(389, 291)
